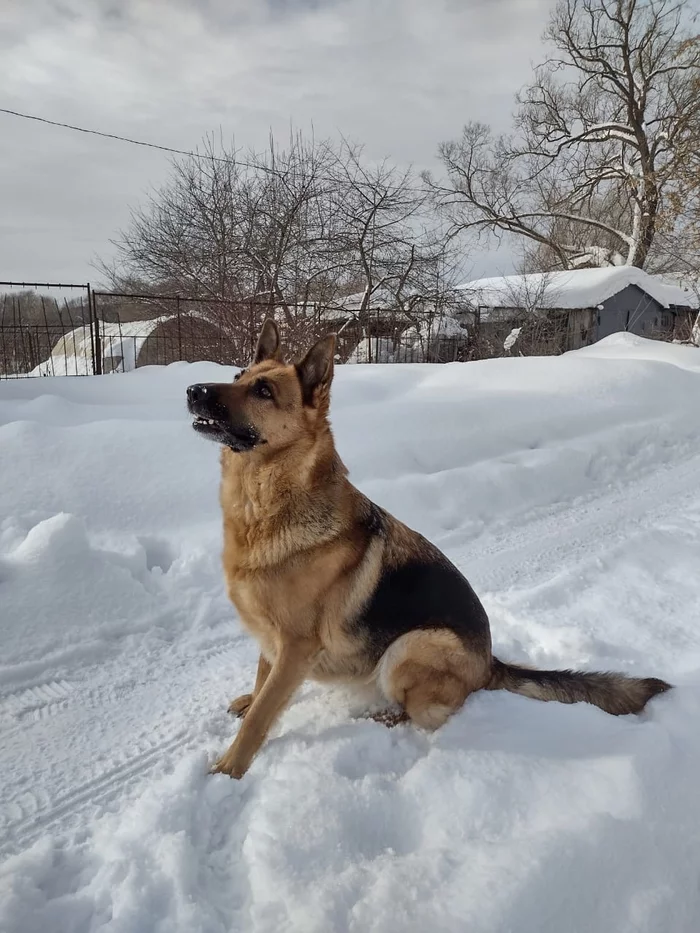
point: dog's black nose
(198, 393)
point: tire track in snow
(38, 702)
(35, 701)
(32, 812)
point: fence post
(91, 326)
(179, 330)
(95, 333)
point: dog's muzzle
(212, 419)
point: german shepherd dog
(334, 588)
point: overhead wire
(209, 157)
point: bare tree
(250, 229)
(387, 230)
(227, 226)
(600, 138)
(398, 264)
(610, 208)
(291, 232)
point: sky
(397, 75)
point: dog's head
(271, 404)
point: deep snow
(566, 489)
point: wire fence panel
(98, 332)
(73, 330)
(137, 330)
(38, 331)
(84, 332)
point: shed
(582, 305)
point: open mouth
(207, 424)
(237, 439)
(213, 420)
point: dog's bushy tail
(615, 693)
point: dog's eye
(262, 389)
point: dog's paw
(228, 765)
(240, 706)
(390, 717)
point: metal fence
(32, 323)
(57, 329)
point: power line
(140, 142)
(123, 139)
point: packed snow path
(566, 489)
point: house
(559, 311)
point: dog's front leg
(240, 706)
(288, 672)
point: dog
(332, 586)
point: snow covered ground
(567, 490)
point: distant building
(380, 328)
(574, 308)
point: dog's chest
(341, 655)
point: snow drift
(567, 490)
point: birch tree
(610, 117)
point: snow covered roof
(120, 343)
(689, 281)
(143, 328)
(571, 289)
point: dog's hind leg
(430, 673)
(240, 706)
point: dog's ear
(315, 371)
(268, 347)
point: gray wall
(634, 311)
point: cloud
(399, 75)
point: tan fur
(240, 706)
(287, 674)
(430, 673)
(299, 569)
